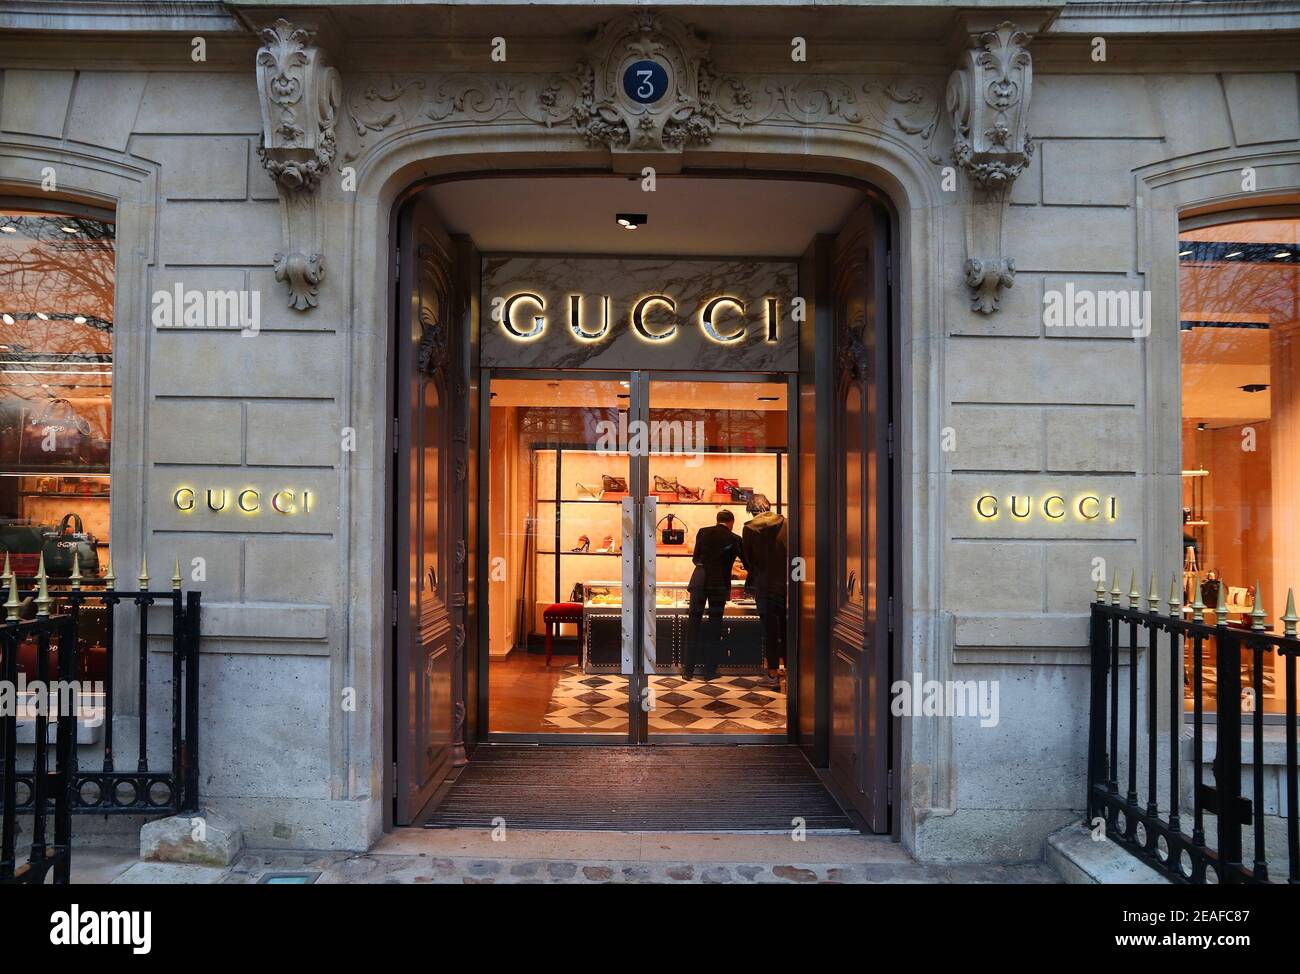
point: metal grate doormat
(666, 788)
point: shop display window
(56, 399)
(1239, 291)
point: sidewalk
(464, 856)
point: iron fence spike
(1134, 596)
(1153, 597)
(176, 576)
(1290, 619)
(42, 590)
(11, 606)
(1221, 610)
(1175, 597)
(1257, 615)
(75, 577)
(1114, 592)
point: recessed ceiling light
(630, 221)
(769, 398)
(80, 319)
(1235, 253)
(1184, 253)
(1284, 253)
(68, 229)
(43, 316)
(8, 318)
(9, 229)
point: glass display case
(602, 630)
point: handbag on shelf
(61, 547)
(22, 541)
(670, 534)
(741, 495)
(55, 425)
(616, 485)
(723, 485)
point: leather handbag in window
(53, 434)
(615, 485)
(22, 541)
(723, 485)
(740, 495)
(62, 545)
(670, 534)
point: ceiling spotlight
(7, 318)
(1235, 253)
(9, 229)
(1284, 253)
(1253, 387)
(43, 316)
(1201, 427)
(1184, 253)
(80, 319)
(630, 221)
(68, 229)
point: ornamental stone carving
(988, 104)
(300, 96)
(654, 57)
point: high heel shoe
(584, 543)
(608, 547)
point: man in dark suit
(716, 551)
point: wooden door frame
(823, 526)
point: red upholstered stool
(556, 615)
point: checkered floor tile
(727, 704)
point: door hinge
(889, 613)
(889, 440)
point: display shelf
(565, 500)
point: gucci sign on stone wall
(593, 312)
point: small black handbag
(670, 534)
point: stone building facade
(273, 163)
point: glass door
(637, 556)
(718, 474)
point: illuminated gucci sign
(248, 500)
(654, 317)
(1050, 507)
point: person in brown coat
(764, 543)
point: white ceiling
(689, 215)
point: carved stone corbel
(300, 96)
(988, 103)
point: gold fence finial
(1114, 592)
(1221, 610)
(1153, 597)
(11, 606)
(144, 573)
(1134, 596)
(1101, 590)
(1257, 615)
(1176, 598)
(75, 577)
(42, 590)
(1290, 619)
(1198, 607)
(8, 571)
(110, 580)
(176, 576)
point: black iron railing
(161, 776)
(49, 787)
(1118, 744)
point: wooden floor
(519, 691)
